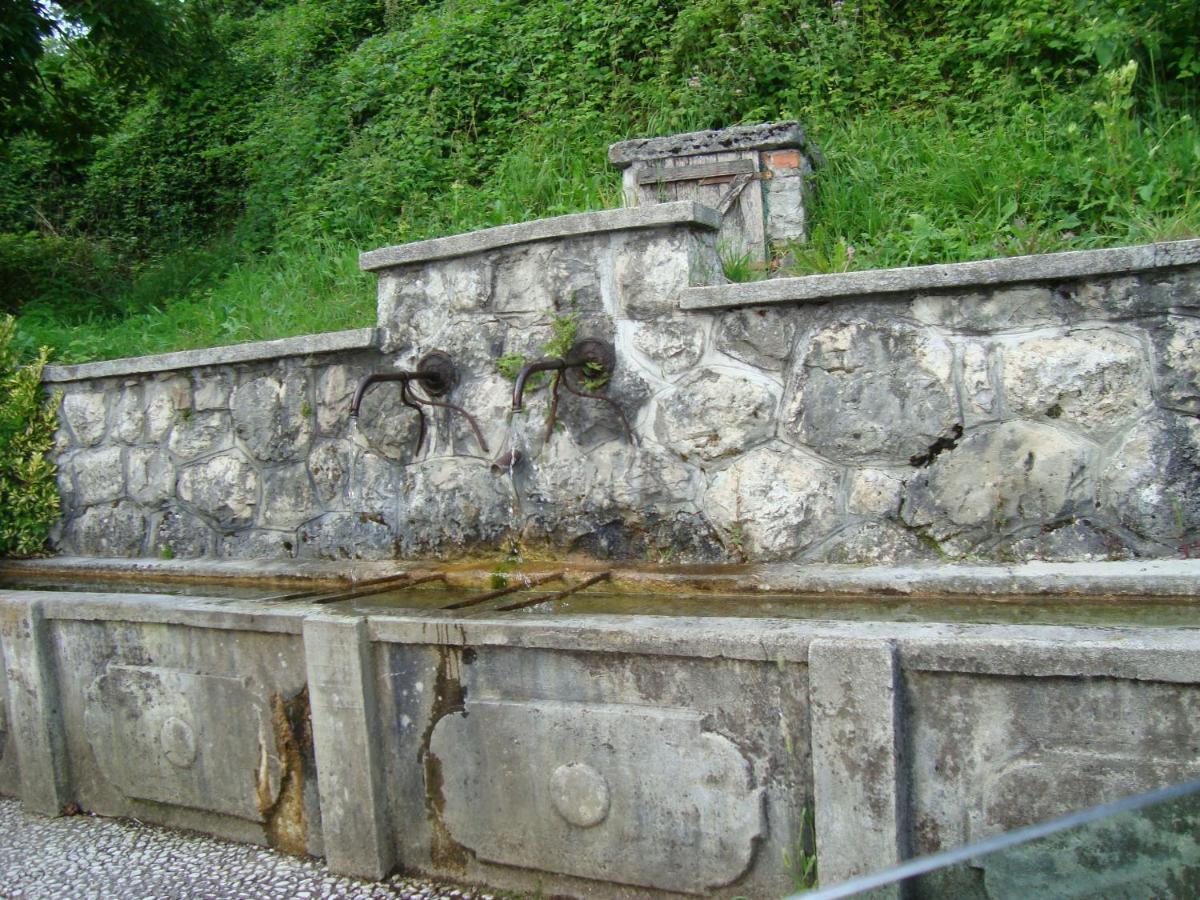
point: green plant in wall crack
(800, 860)
(28, 493)
(563, 331)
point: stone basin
(666, 731)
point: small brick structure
(754, 175)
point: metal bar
(407, 400)
(365, 591)
(547, 598)
(370, 582)
(492, 595)
(458, 409)
(695, 173)
(633, 438)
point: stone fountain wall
(1032, 408)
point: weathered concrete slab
(305, 345)
(879, 283)
(341, 686)
(695, 143)
(34, 725)
(178, 738)
(854, 705)
(603, 792)
(573, 225)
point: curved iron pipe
(550, 364)
(377, 377)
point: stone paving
(88, 856)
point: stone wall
(1039, 407)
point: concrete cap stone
(660, 215)
(906, 280)
(767, 136)
(306, 345)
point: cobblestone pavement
(87, 856)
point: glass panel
(1139, 847)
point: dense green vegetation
(28, 493)
(186, 173)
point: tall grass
(920, 188)
(300, 290)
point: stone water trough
(859, 566)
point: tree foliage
(160, 126)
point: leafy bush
(28, 493)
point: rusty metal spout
(550, 364)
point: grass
(281, 294)
(919, 188)
(899, 187)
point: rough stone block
(198, 433)
(993, 309)
(651, 270)
(329, 464)
(978, 364)
(128, 415)
(864, 391)
(335, 388)
(1096, 380)
(388, 426)
(224, 488)
(346, 723)
(760, 337)
(347, 536)
(182, 536)
(99, 475)
(211, 389)
(467, 504)
(85, 413)
(165, 396)
(288, 497)
(856, 739)
(1000, 479)
(875, 492)
(151, 475)
(1179, 364)
(773, 502)
(877, 543)
(713, 414)
(108, 530)
(273, 417)
(1151, 484)
(671, 346)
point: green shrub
(28, 493)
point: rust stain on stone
(449, 697)
(283, 813)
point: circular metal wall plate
(439, 365)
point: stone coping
(1140, 654)
(768, 136)
(684, 212)
(1132, 652)
(1133, 578)
(305, 345)
(874, 283)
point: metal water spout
(437, 375)
(596, 356)
(595, 359)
